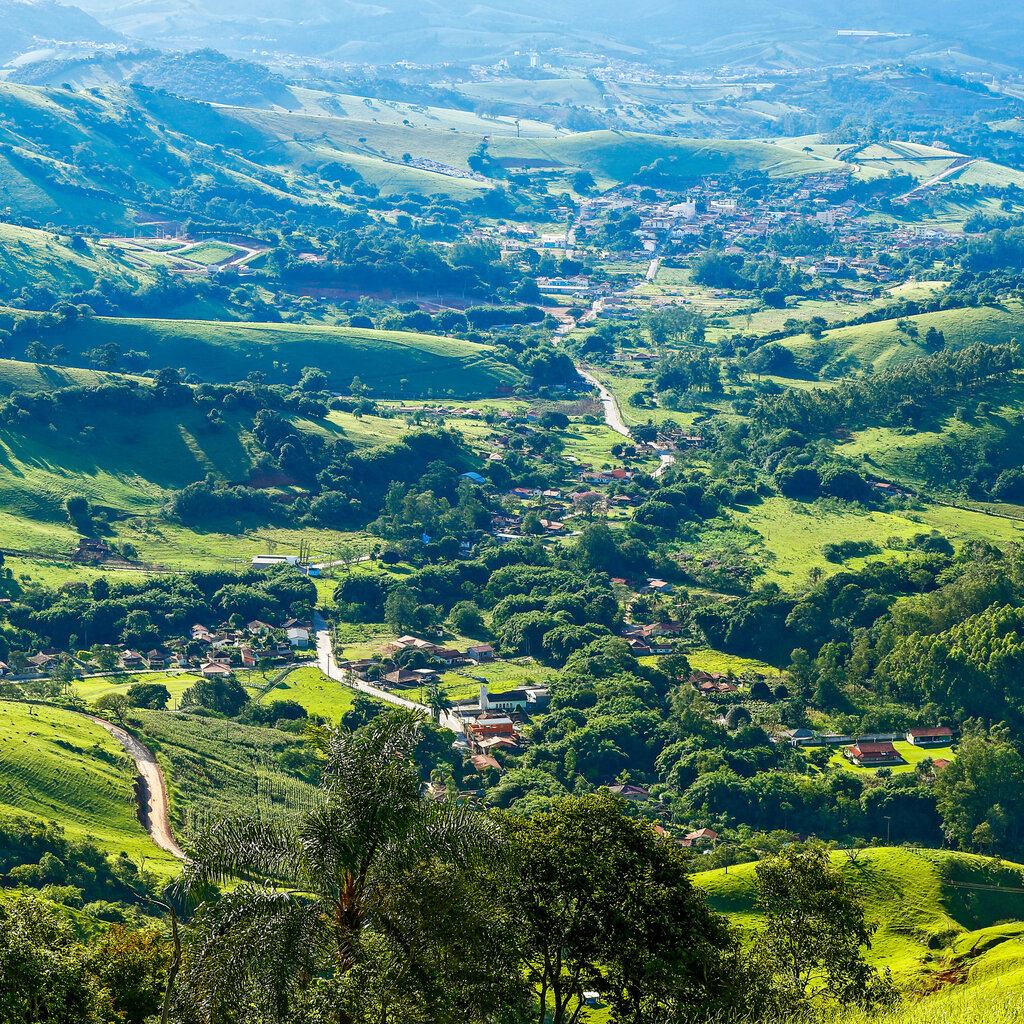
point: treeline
(906, 394)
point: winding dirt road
(153, 804)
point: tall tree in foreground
(367, 909)
(815, 933)
(603, 903)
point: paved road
(329, 666)
(153, 804)
(957, 165)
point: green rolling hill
(58, 766)
(30, 257)
(876, 346)
(932, 907)
(225, 352)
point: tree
(375, 910)
(114, 705)
(737, 716)
(313, 379)
(552, 420)
(106, 657)
(44, 978)
(604, 903)
(132, 967)
(153, 696)
(437, 700)
(401, 610)
(225, 696)
(815, 932)
(975, 791)
(465, 618)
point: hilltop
(390, 362)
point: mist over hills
(28, 26)
(798, 32)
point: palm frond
(240, 848)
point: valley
(511, 515)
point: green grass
(922, 901)
(999, 1000)
(58, 766)
(209, 252)
(29, 256)
(793, 533)
(98, 686)
(16, 375)
(222, 351)
(911, 754)
(623, 385)
(319, 695)
(938, 456)
(708, 660)
(501, 676)
(880, 345)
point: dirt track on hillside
(153, 805)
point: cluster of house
(882, 753)
(367, 669)
(226, 649)
(554, 509)
(215, 652)
(709, 683)
(876, 751)
(650, 639)
(495, 721)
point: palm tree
(368, 898)
(437, 700)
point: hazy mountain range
(686, 32)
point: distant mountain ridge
(429, 31)
(30, 24)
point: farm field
(793, 533)
(57, 765)
(707, 660)
(217, 768)
(320, 696)
(93, 687)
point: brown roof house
(873, 755)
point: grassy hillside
(44, 466)
(875, 346)
(931, 906)
(949, 448)
(59, 766)
(32, 257)
(226, 352)
(611, 156)
(17, 375)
